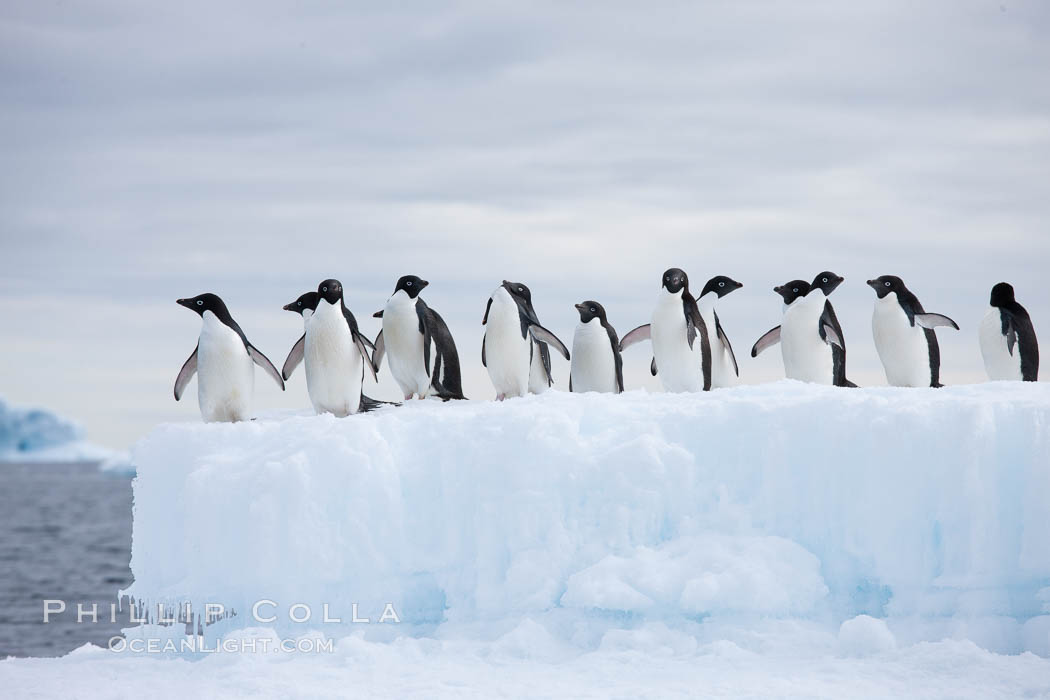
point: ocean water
(65, 534)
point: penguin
(827, 282)
(304, 306)
(335, 353)
(681, 346)
(724, 369)
(411, 333)
(1008, 342)
(596, 361)
(540, 377)
(904, 335)
(512, 339)
(223, 361)
(806, 335)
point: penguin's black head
(827, 281)
(330, 290)
(792, 290)
(410, 285)
(886, 284)
(306, 302)
(204, 302)
(517, 289)
(1002, 294)
(721, 285)
(590, 310)
(675, 280)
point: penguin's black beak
(188, 303)
(579, 307)
(289, 307)
(423, 283)
(872, 283)
(778, 289)
(378, 314)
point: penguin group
(691, 350)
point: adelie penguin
(512, 340)
(904, 335)
(305, 306)
(1008, 342)
(223, 362)
(336, 354)
(724, 369)
(680, 336)
(423, 357)
(596, 362)
(810, 337)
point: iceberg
(38, 435)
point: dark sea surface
(65, 534)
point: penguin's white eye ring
(408, 284)
(887, 284)
(324, 289)
(521, 289)
(795, 290)
(594, 310)
(825, 279)
(200, 303)
(721, 284)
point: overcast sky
(159, 150)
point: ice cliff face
(926, 508)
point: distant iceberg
(38, 435)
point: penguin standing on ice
(540, 377)
(512, 340)
(807, 335)
(1008, 343)
(904, 335)
(335, 353)
(412, 334)
(223, 362)
(304, 306)
(596, 362)
(724, 369)
(680, 337)
(827, 282)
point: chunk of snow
(864, 635)
(788, 499)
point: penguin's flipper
(377, 356)
(483, 362)
(542, 335)
(295, 356)
(931, 321)
(652, 367)
(424, 330)
(264, 362)
(362, 344)
(831, 336)
(189, 368)
(487, 307)
(771, 338)
(636, 336)
(725, 341)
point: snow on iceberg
(38, 435)
(927, 508)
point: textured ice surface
(929, 509)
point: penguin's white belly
(807, 358)
(506, 352)
(723, 373)
(538, 382)
(678, 366)
(225, 373)
(902, 347)
(404, 348)
(998, 361)
(593, 366)
(333, 363)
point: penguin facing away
(223, 362)
(724, 368)
(596, 361)
(512, 340)
(1008, 343)
(412, 334)
(335, 354)
(904, 334)
(680, 337)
